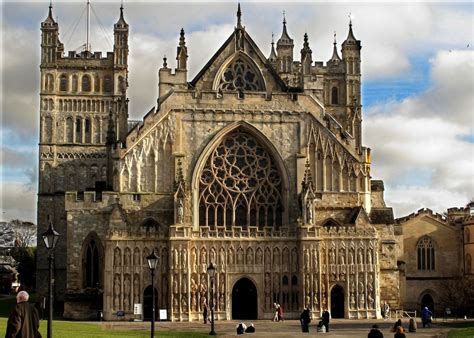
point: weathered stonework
(256, 166)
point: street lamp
(152, 261)
(50, 238)
(211, 271)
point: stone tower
(285, 52)
(78, 91)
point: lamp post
(50, 238)
(152, 261)
(211, 271)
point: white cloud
(423, 133)
(17, 201)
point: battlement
(420, 212)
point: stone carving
(193, 260)
(222, 259)
(267, 290)
(306, 259)
(369, 257)
(259, 256)
(212, 256)
(127, 255)
(240, 256)
(276, 283)
(268, 258)
(184, 284)
(117, 292)
(230, 256)
(276, 258)
(175, 285)
(342, 258)
(184, 303)
(203, 260)
(361, 256)
(126, 292)
(352, 301)
(180, 210)
(222, 302)
(136, 257)
(370, 301)
(309, 211)
(145, 254)
(175, 303)
(294, 260)
(194, 293)
(370, 284)
(175, 259)
(136, 289)
(184, 259)
(249, 258)
(285, 259)
(164, 291)
(117, 260)
(164, 260)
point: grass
(66, 329)
(462, 333)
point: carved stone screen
(240, 185)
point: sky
(417, 80)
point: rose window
(240, 185)
(240, 76)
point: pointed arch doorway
(244, 300)
(337, 302)
(148, 303)
(427, 301)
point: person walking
(204, 313)
(325, 319)
(399, 333)
(386, 311)
(305, 319)
(375, 332)
(24, 319)
(426, 317)
(275, 317)
(280, 313)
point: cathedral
(255, 165)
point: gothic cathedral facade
(256, 165)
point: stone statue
(180, 211)
(369, 257)
(175, 303)
(309, 212)
(370, 301)
(117, 292)
(276, 257)
(193, 260)
(221, 284)
(306, 259)
(136, 289)
(361, 300)
(222, 259)
(136, 257)
(175, 258)
(268, 258)
(276, 283)
(249, 256)
(117, 257)
(127, 257)
(175, 285)
(294, 260)
(342, 258)
(361, 257)
(126, 292)
(184, 284)
(212, 256)
(184, 259)
(259, 256)
(203, 261)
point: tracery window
(92, 265)
(240, 185)
(63, 85)
(86, 83)
(239, 75)
(426, 254)
(334, 96)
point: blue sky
(418, 81)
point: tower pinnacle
(239, 16)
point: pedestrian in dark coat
(426, 317)
(399, 333)
(325, 319)
(397, 324)
(204, 314)
(375, 332)
(305, 319)
(24, 319)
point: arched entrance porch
(337, 302)
(244, 300)
(427, 301)
(148, 305)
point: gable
(239, 47)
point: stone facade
(256, 165)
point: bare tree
(25, 233)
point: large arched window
(241, 75)
(86, 83)
(240, 185)
(92, 261)
(426, 254)
(107, 84)
(63, 85)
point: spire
(307, 184)
(285, 38)
(350, 37)
(239, 15)
(121, 23)
(305, 43)
(335, 56)
(165, 64)
(273, 56)
(50, 18)
(182, 51)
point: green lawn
(65, 329)
(462, 333)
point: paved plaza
(289, 328)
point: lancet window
(240, 76)
(426, 254)
(240, 185)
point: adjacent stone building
(256, 165)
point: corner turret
(285, 51)
(306, 59)
(50, 44)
